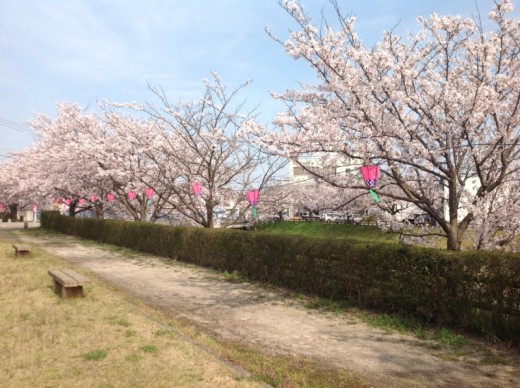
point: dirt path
(272, 322)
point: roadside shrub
(479, 291)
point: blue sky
(82, 51)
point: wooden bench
(68, 283)
(21, 250)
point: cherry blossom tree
(121, 154)
(81, 158)
(58, 164)
(149, 161)
(204, 141)
(12, 199)
(317, 196)
(434, 109)
(496, 223)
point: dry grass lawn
(102, 340)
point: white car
(330, 217)
(356, 218)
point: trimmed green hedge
(473, 290)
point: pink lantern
(370, 175)
(196, 188)
(34, 207)
(252, 197)
(2, 208)
(68, 201)
(110, 197)
(149, 192)
(82, 201)
(93, 198)
(132, 195)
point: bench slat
(76, 276)
(63, 278)
(21, 250)
(68, 283)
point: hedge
(474, 290)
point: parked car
(356, 218)
(330, 217)
(349, 219)
(343, 219)
(309, 216)
(423, 219)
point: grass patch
(369, 233)
(286, 371)
(149, 349)
(38, 328)
(134, 357)
(391, 323)
(96, 355)
(233, 277)
(115, 320)
(330, 231)
(323, 304)
(130, 333)
(446, 336)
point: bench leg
(72, 292)
(68, 292)
(57, 287)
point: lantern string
(374, 195)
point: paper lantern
(110, 197)
(149, 192)
(252, 197)
(82, 201)
(370, 175)
(196, 188)
(93, 198)
(132, 195)
(68, 201)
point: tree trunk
(209, 212)
(453, 240)
(453, 235)
(72, 209)
(100, 213)
(13, 209)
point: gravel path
(273, 322)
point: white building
(470, 191)
(322, 164)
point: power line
(20, 127)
